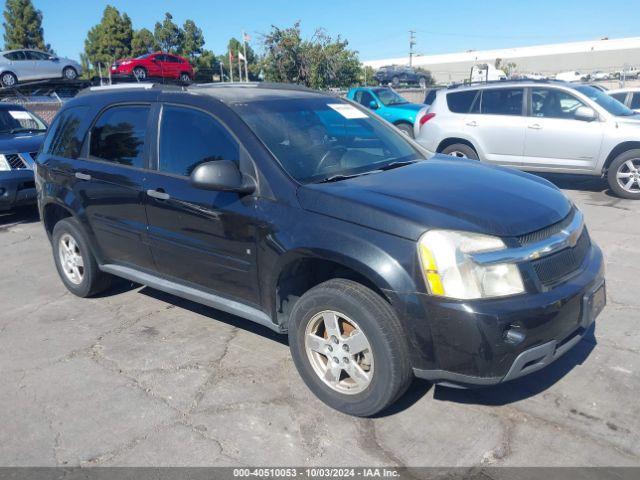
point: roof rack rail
(267, 85)
(130, 86)
(504, 82)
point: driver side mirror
(373, 105)
(53, 58)
(585, 114)
(222, 176)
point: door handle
(158, 194)
(535, 126)
(83, 176)
(472, 123)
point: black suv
(310, 215)
(395, 75)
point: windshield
(318, 138)
(142, 57)
(389, 97)
(610, 104)
(15, 120)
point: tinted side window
(635, 101)
(621, 97)
(364, 98)
(431, 96)
(15, 56)
(502, 101)
(191, 137)
(460, 102)
(65, 135)
(119, 135)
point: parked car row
(312, 216)
(537, 126)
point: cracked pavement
(138, 377)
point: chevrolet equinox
(312, 216)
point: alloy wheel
(139, 73)
(339, 352)
(628, 175)
(456, 153)
(71, 259)
(8, 80)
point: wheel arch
(617, 150)
(452, 141)
(298, 271)
(2, 72)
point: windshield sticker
(20, 114)
(347, 111)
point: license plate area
(592, 304)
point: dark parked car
(21, 135)
(395, 75)
(310, 215)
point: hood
(20, 143)
(410, 107)
(441, 193)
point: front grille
(15, 162)
(546, 232)
(558, 266)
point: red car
(157, 64)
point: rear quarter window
(460, 102)
(66, 133)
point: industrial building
(608, 55)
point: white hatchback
(542, 126)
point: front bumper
(467, 344)
(17, 188)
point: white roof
(518, 52)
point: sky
(377, 29)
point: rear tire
(8, 79)
(395, 81)
(379, 361)
(74, 261)
(140, 73)
(460, 150)
(406, 128)
(623, 175)
(185, 78)
(422, 82)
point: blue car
(21, 136)
(389, 105)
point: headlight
(450, 271)
(4, 165)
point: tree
(23, 26)
(321, 62)
(143, 42)
(193, 41)
(168, 35)
(110, 39)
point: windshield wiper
(392, 165)
(339, 177)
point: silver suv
(542, 126)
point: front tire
(69, 73)
(349, 347)
(74, 261)
(185, 78)
(624, 175)
(460, 150)
(8, 79)
(395, 81)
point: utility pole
(244, 48)
(412, 42)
